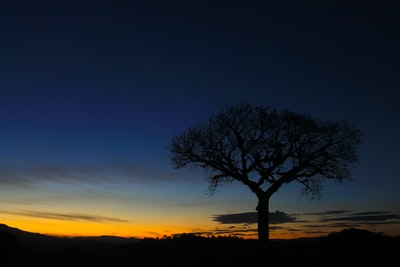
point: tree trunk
(263, 219)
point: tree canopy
(264, 148)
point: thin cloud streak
(363, 218)
(328, 212)
(29, 176)
(65, 216)
(251, 217)
(51, 173)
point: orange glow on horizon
(82, 229)
(150, 230)
(78, 229)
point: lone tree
(264, 148)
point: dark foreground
(357, 247)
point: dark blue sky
(93, 91)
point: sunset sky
(91, 93)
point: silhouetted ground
(352, 246)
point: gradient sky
(91, 93)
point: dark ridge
(20, 248)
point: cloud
(81, 173)
(371, 216)
(50, 173)
(276, 217)
(328, 212)
(233, 230)
(65, 216)
(320, 224)
(342, 219)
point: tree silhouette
(264, 149)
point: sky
(92, 92)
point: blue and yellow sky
(91, 93)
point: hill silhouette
(21, 248)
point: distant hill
(21, 235)
(11, 237)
